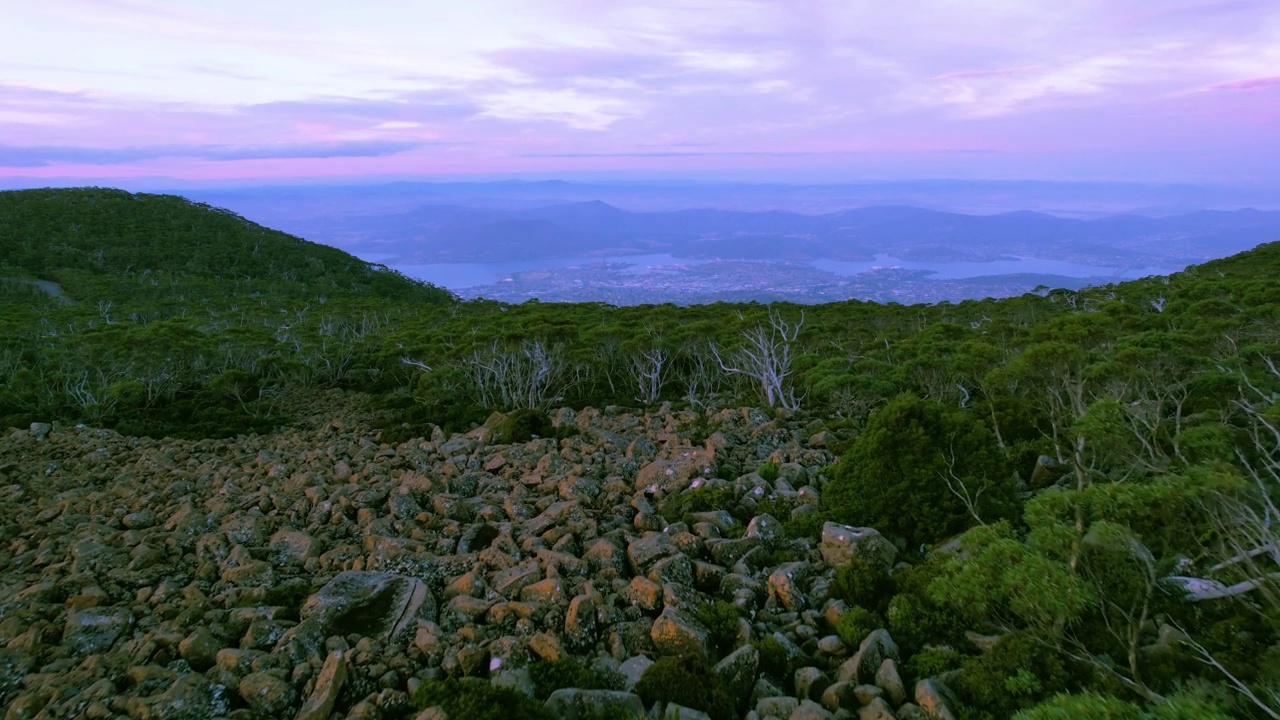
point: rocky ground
(321, 573)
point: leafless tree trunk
(532, 375)
(766, 356)
(649, 369)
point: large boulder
(675, 633)
(375, 604)
(95, 630)
(574, 703)
(676, 471)
(842, 543)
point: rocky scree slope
(319, 573)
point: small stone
(267, 694)
(810, 710)
(810, 682)
(547, 647)
(328, 685)
(96, 630)
(931, 696)
(199, 649)
(890, 680)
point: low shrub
(520, 426)
(686, 681)
(933, 660)
(721, 619)
(570, 673)
(477, 699)
(859, 582)
(1016, 673)
(700, 499)
(856, 623)
(768, 471)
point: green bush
(894, 478)
(1016, 673)
(704, 498)
(477, 699)
(916, 620)
(861, 583)
(856, 624)
(774, 660)
(686, 681)
(768, 471)
(570, 673)
(520, 426)
(805, 525)
(721, 619)
(933, 660)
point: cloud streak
(43, 156)
(495, 86)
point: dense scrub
(1090, 455)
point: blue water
(459, 276)
(963, 270)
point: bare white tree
(766, 356)
(531, 375)
(649, 369)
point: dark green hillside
(1092, 454)
(91, 240)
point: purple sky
(793, 90)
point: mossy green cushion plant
(477, 699)
(570, 673)
(686, 681)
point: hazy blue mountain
(452, 233)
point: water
(963, 270)
(460, 276)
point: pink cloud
(998, 72)
(1248, 85)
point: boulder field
(320, 573)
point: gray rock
(889, 680)
(784, 585)
(877, 709)
(292, 547)
(842, 543)
(267, 694)
(328, 685)
(40, 430)
(199, 649)
(647, 549)
(575, 704)
(766, 529)
(778, 706)
(934, 699)
(95, 630)
(737, 672)
(580, 623)
(632, 669)
(677, 634)
(810, 682)
(810, 710)
(375, 604)
(679, 712)
(190, 697)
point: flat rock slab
(375, 604)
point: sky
(788, 90)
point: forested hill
(157, 244)
(1081, 486)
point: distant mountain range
(435, 233)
